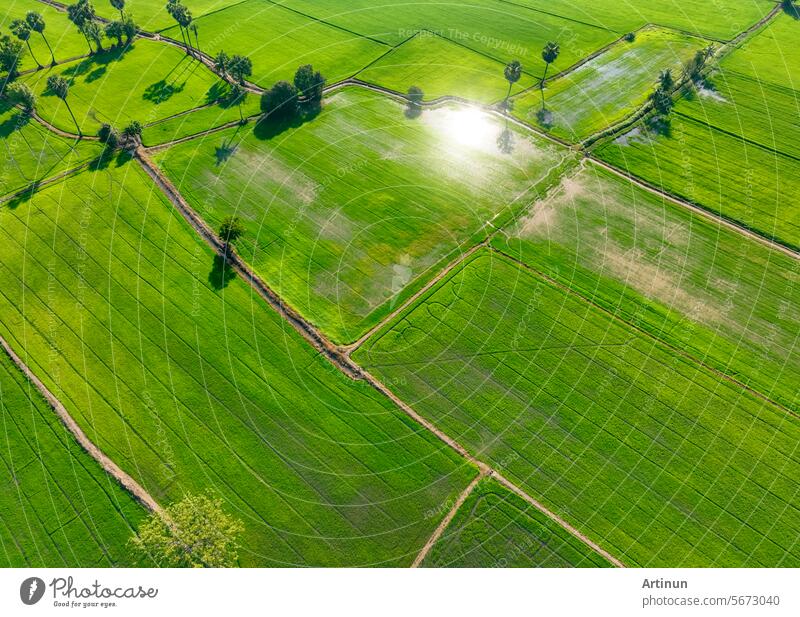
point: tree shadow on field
(13, 123)
(267, 127)
(792, 10)
(161, 91)
(119, 157)
(222, 273)
(219, 93)
(227, 148)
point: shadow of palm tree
(161, 91)
(222, 273)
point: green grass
(441, 67)
(609, 87)
(760, 112)
(151, 15)
(693, 283)
(653, 457)
(697, 16)
(58, 507)
(189, 383)
(278, 41)
(150, 81)
(199, 120)
(31, 153)
(348, 213)
(62, 35)
(502, 31)
(496, 528)
(720, 172)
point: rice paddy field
(495, 528)
(459, 333)
(146, 82)
(609, 87)
(189, 385)
(58, 507)
(664, 462)
(349, 213)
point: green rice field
(58, 507)
(662, 461)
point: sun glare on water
(470, 127)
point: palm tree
(221, 61)
(512, 72)
(549, 55)
(119, 5)
(238, 95)
(36, 23)
(60, 87)
(92, 30)
(21, 30)
(80, 14)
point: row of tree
(83, 15)
(285, 100)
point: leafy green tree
(221, 61)
(109, 136)
(20, 29)
(134, 130)
(129, 28)
(512, 73)
(280, 101)
(665, 80)
(82, 13)
(549, 55)
(310, 83)
(60, 87)
(240, 68)
(115, 30)
(21, 94)
(662, 101)
(10, 54)
(230, 231)
(37, 24)
(120, 6)
(92, 30)
(195, 532)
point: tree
(229, 232)
(81, 13)
(221, 64)
(37, 24)
(662, 101)
(280, 101)
(60, 87)
(183, 17)
(129, 28)
(20, 29)
(120, 6)
(240, 68)
(665, 80)
(512, 73)
(549, 55)
(10, 55)
(115, 30)
(193, 533)
(310, 84)
(109, 136)
(21, 94)
(237, 96)
(92, 30)
(133, 131)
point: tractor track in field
(126, 481)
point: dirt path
(128, 483)
(437, 533)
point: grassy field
(31, 153)
(151, 15)
(190, 382)
(721, 172)
(696, 285)
(610, 87)
(502, 31)
(149, 82)
(653, 457)
(697, 16)
(278, 40)
(441, 67)
(495, 528)
(199, 120)
(58, 507)
(348, 213)
(62, 35)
